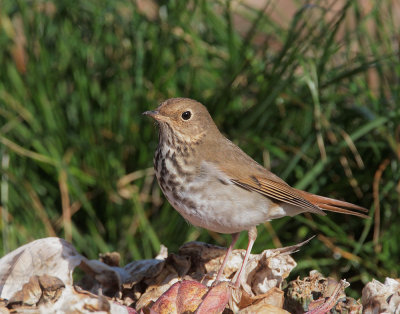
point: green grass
(317, 102)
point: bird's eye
(186, 115)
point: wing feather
(278, 191)
(282, 192)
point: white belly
(210, 200)
(226, 208)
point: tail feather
(333, 205)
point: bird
(215, 185)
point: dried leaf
(189, 296)
(166, 303)
(50, 256)
(153, 292)
(181, 297)
(181, 264)
(100, 276)
(155, 285)
(381, 298)
(216, 299)
(205, 257)
(136, 271)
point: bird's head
(185, 119)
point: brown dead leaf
(153, 292)
(189, 295)
(216, 299)
(167, 302)
(181, 297)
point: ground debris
(37, 278)
(316, 294)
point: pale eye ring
(186, 115)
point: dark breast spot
(161, 180)
(178, 168)
(172, 177)
(156, 159)
(172, 184)
(163, 168)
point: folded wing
(282, 192)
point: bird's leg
(252, 238)
(235, 237)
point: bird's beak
(155, 115)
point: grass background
(315, 100)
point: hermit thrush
(213, 184)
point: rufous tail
(332, 205)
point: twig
(332, 300)
(65, 202)
(375, 193)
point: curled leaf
(181, 297)
(380, 297)
(50, 256)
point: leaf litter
(37, 278)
